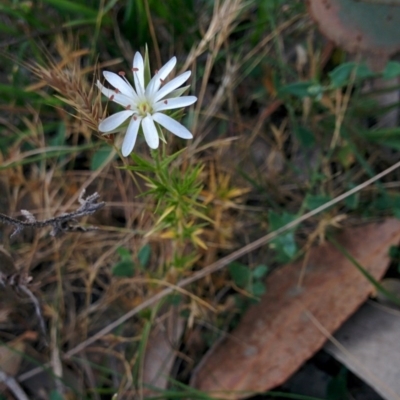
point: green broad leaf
(240, 274)
(314, 201)
(144, 255)
(100, 157)
(341, 75)
(258, 289)
(299, 89)
(391, 70)
(260, 271)
(305, 136)
(124, 268)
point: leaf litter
(277, 335)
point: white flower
(144, 105)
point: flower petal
(123, 86)
(178, 102)
(160, 76)
(138, 73)
(172, 85)
(114, 121)
(150, 132)
(173, 126)
(131, 135)
(118, 98)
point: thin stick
(13, 385)
(214, 268)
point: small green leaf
(392, 70)
(340, 75)
(258, 289)
(305, 136)
(284, 244)
(174, 299)
(352, 202)
(124, 253)
(299, 89)
(144, 255)
(100, 157)
(260, 271)
(345, 156)
(240, 274)
(124, 268)
(314, 201)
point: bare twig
(60, 224)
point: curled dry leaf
(278, 334)
(369, 28)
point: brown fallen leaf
(277, 335)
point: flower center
(144, 108)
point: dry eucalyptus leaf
(370, 348)
(278, 334)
